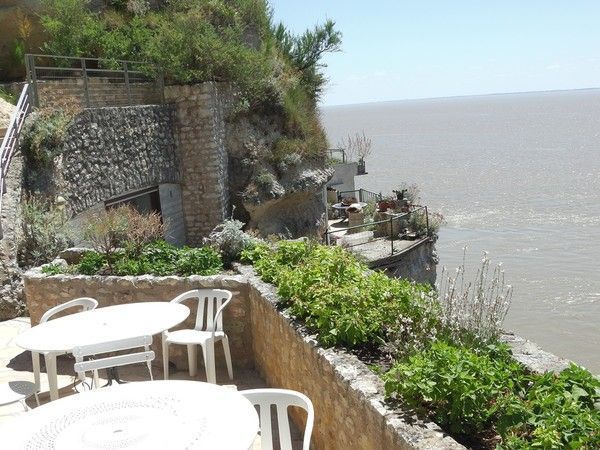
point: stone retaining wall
(110, 151)
(44, 292)
(101, 93)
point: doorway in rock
(144, 201)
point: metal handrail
(390, 221)
(120, 71)
(9, 143)
(337, 150)
(363, 195)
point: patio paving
(15, 364)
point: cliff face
(274, 195)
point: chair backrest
(86, 303)
(81, 352)
(211, 303)
(282, 399)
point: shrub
(106, 231)
(158, 258)
(142, 229)
(43, 136)
(475, 309)
(230, 240)
(91, 263)
(462, 389)
(338, 297)
(469, 391)
(44, 231)
(8, 96)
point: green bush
(43, 136)
(91, 263)
(469, 391)
(158, 258)
(462, 389)
(339, 298)
(44, 231)
(8, 96)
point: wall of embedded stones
(111, 151)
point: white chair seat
(192, 336)
(207, 330)
(16, 391)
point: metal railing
(129, 75)
(337, 154)
(391, 229)
(362, 195)
(9, 143)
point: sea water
(516, 175)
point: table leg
(50, 359)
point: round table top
(142, 415)
(101, 325)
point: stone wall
(417, 263)
(343, 176)
(200, 134)
(102, 92)
(43, 292)
(110, 151)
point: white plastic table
(142, 415)
(99, 325)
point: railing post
(327, 237)
(126, 75)
(392, 233)
(161, 85)
(360, 195)
(32, 77)
(85, 83)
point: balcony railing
(89, 78)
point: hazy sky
(415, 49)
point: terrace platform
(15, 364)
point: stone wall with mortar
(200, 128)
(417, 263)
(44, 292)
(101, 91)
(110, 151)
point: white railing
(9, 143)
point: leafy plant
(463, 390)
(43, 135)
(91, 263)
(475, 309)
(8, 96)
(106, 231)
(338, 297)
(44, 231)
(229, 238)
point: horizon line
(460, 96)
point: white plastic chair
(282, 399)
(86, 304)
(107, 362)
(207, 331)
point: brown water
(517, 175)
